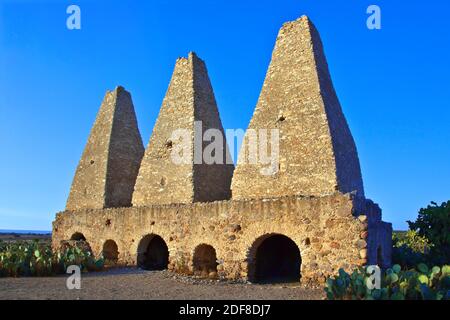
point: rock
(335, 245)
(362, 262)
(330, 223)
(363, 253)
(204, 274)
(361, 244)
(362, 218)
(235, 228)
(324, 253)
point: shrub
(410, 249)
(433, 223)
(412, 240)
(420, 284)
(37, 259)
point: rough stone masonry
(303, 222)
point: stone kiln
(307, 220)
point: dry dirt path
(131, 283)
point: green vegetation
(410, 249)
(420, 284)
(35, 258)
(427, 241)
(433, 223)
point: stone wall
(327, 230)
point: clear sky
(393, 84)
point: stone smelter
(306, 220)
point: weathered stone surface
(107, 171)
(189, 98)
(307, 201)
(317, 152)
(260, 218)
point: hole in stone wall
(163, 182)
(92, 162)
(78, 236)
(77, 240)
(169, 144)
(307, 242)
(110, 252)
(380, 257)
(108, 222)
(277, 260)
(205, 261)
(153, 253)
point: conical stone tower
(189, 103)
(317, 154)
(107, 171)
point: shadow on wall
(205, 261)
(274, 258)
(78, 236)
(153, 253)
(110, 252)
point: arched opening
(276, 259)
(380, 262)
(77, 240)
(110, 252)
(153, 253)
(205, 260)
(78, 236)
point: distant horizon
(19, 231)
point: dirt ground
(135, 284)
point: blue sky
(393, 84)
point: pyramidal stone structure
(107, 171)
(317, 152)
(189, 104)
(302, 220)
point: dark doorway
(77, 236)
(277, 260)
(153, 253)
(77, 240)
(205, 260)
(380, 262)
(110, 252)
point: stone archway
(205, 261)
(153, 253)
(380, 261)
(274, 258)
(78, 236)
(110, 252)
(77, 240)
